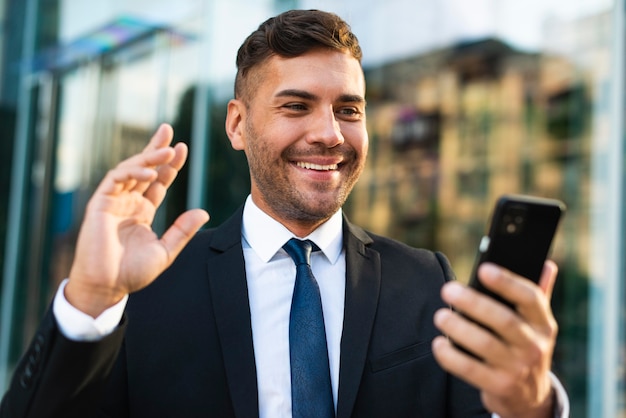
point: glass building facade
(466, 101)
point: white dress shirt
(271, 275)
(271, 278)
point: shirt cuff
(561, 401)
(78, 326)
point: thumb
(181, 231)
(548, 278)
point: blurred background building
(466, 101)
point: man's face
(303, 132)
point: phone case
(520, 236)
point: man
(210, 336)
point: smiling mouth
(318, 167)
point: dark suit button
(34, 357)
(37, 350)
(38, 345)
(27, 377)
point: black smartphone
(519, 237)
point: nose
(325, 129)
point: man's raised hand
(117, 252)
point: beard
(293, 199)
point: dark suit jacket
(185, 344)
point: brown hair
(292, 34)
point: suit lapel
(229, 293)
(361, 301)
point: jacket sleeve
(58, 377)
(465, 398)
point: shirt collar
(266, 236)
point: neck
(299, 227)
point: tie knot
(299, 250)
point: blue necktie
(311, 392)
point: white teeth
(311, 166)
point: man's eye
(295, 106)
(349, 111)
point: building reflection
(454, 128)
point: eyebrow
(305, 95)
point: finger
(147, 159)
(501, 320)
(529, 299)
(510, 286)
(181, 231)
(157, 152)
(533, 314)
(166, 175)
(469, 335)
(116, 180)
(476, 305)
(162, 137)
(180, 156)
(477, 373)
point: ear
(235, 124)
